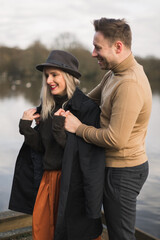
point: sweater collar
(60, 99)
(124, 65)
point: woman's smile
(53, 86)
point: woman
(68, 203)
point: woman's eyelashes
(46, 75)
(52, 74)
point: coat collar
(76, 100)
(74, 103)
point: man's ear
(118, 46)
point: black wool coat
(82, 178)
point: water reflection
(148, 208)
(10, 141)
(29, 90)
(12, 107)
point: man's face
(104, 51)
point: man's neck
(123, 56)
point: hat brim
(76, 74)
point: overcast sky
(24, 21)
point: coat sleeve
(92, 164)
(25, 181)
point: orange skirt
(99, 238)
(46, 207)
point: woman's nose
(49, 79)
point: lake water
(148, 207)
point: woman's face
(55, 80)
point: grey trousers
(122, 186)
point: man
(125, 98)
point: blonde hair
(48, 102)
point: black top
(44, 139)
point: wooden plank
(141, 235)
(11, 220)
(17, 234)
(104, 234)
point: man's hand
(71, 122)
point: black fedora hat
(61, 60)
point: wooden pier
(14, 226)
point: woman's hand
(30, 114)
(60, 112)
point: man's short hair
(114, 29)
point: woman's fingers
(60, 112)
(30, 114)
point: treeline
(151, 66)
(19, 65)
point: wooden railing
(15, 225)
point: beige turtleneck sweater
(125, 99)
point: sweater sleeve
(58, 130)
(31, 135)
(126, 106)
(95, 94)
